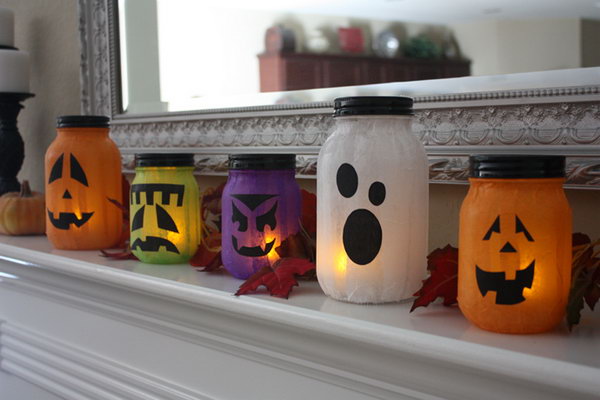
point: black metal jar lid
(164, 160)
(82, 121)
(262, 161)
(373, 105)
(513, 166)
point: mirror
(541, 112)
(181, 55)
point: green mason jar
(164, 208)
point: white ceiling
(430, 11)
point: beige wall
(48, 31)
(505, 47)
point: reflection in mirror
(189, 54)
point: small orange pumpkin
(22, 213)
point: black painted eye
(239, 217)
(56, 172)
(377, 193)
(347, 180)
(77, 172)
(494, 228)
(138, 219)
(520, 228)
(267, 219)
(164, 220)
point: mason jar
(514, 270)
(372, 202)
(260, 209)
(80, 215)
(164, 209)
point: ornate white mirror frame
(549, 120)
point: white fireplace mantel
(83, 327)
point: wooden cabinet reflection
(296, 71)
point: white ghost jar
(372, 203)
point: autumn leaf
(443, 279)
(278, 279)
(308, 214)
(210, 207)
(208, 255)
(585, 279)
(121, 254)
(123, 205)
(299, 245)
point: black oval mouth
(66, 219)
(255, 251)
(362, 236)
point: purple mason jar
(260, 209)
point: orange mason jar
(514, 268)
(83, 171)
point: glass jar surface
(514, 254)
(260, 209)
(164, 214)
(372, 210)
(79, 186)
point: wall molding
(75, 373)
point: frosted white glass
(380, 149)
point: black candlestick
(11, 143)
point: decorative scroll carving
(309, 130)
(540, 124)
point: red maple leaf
(308, 214)
(123, 205)
(443, 279)
(121, 254)
(278, 279)
(585, 282)
(208, 255)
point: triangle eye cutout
(494, 228)
(138, 219)
(57, 168)
(521, 229)
(77, 172)
(164, 220)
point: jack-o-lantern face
(65, 219)
(154, 217)
(82, 174)
(255, 215)
(514, 259)
(508, 291)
